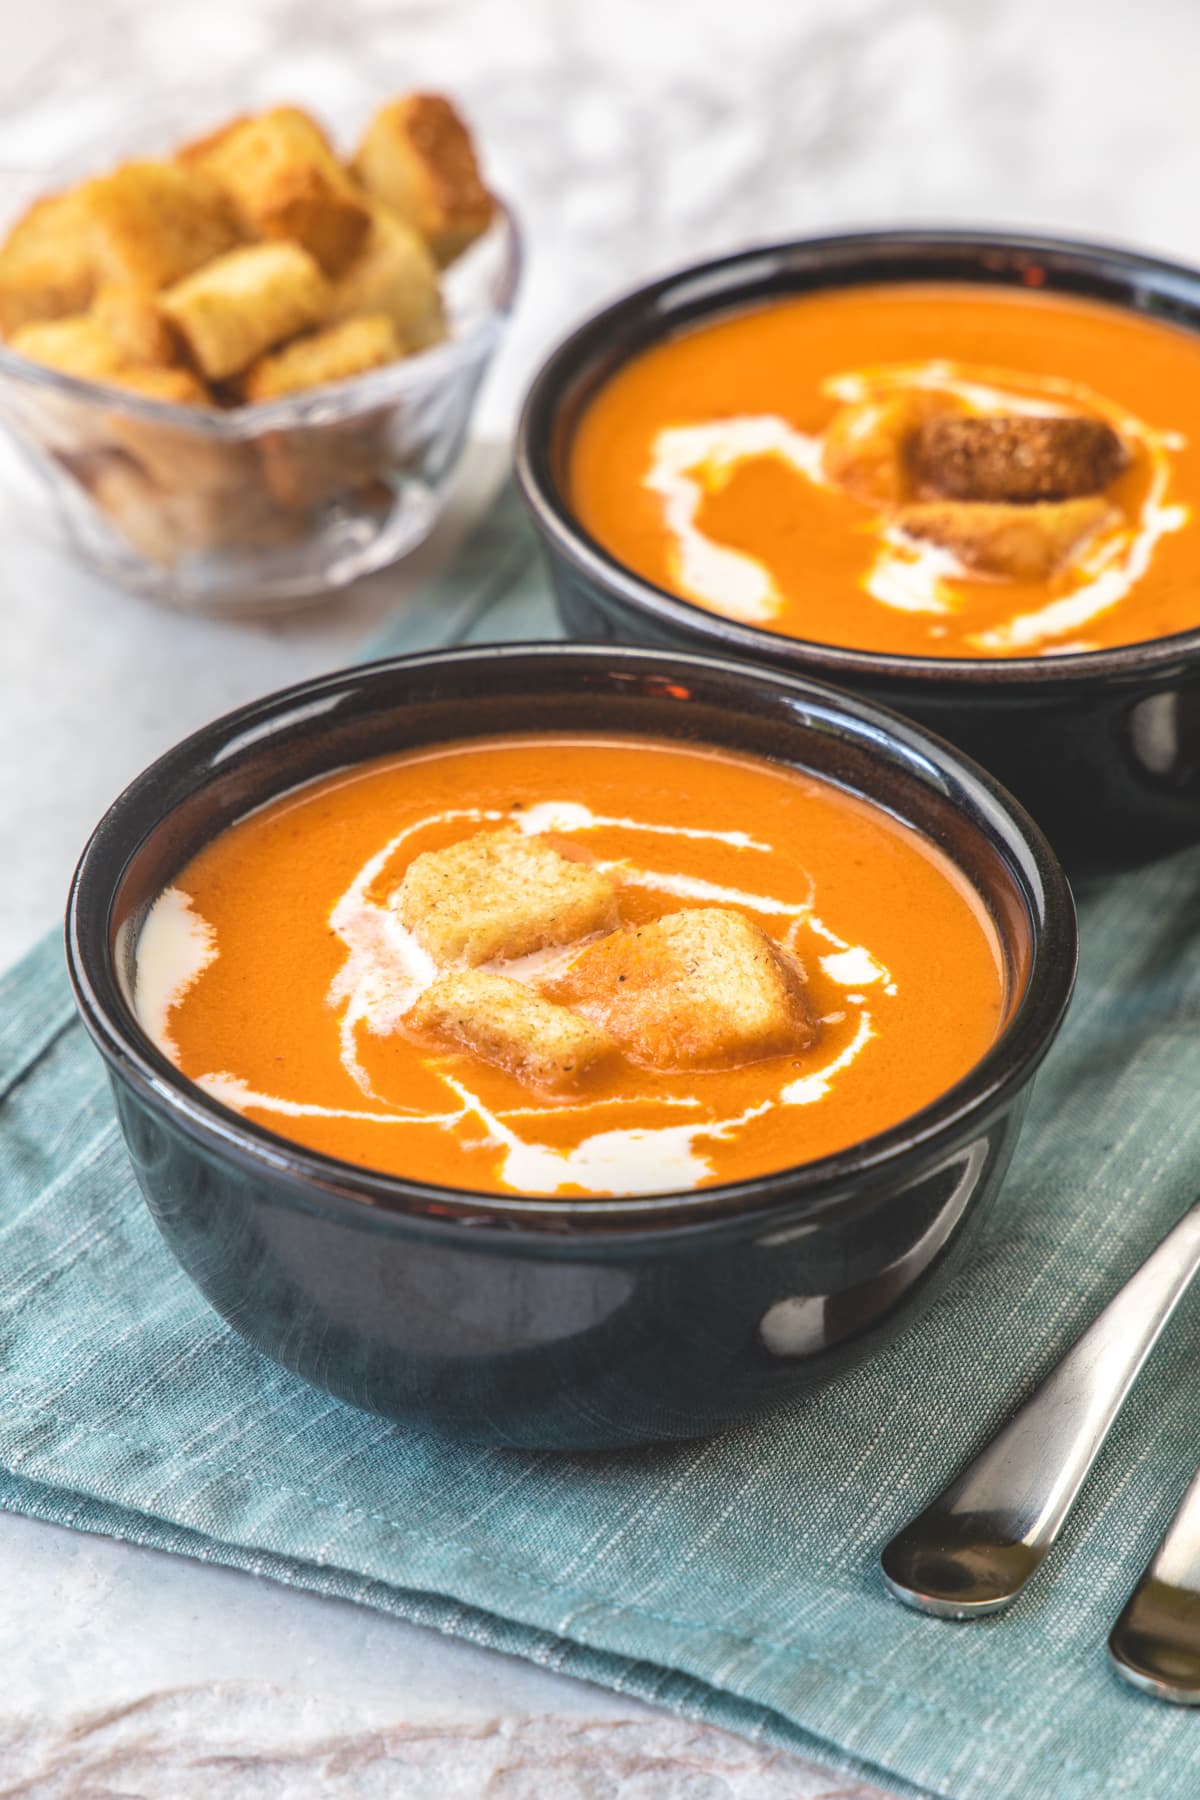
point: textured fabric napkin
(734, 1579)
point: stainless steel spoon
(975, 1547)
(1155, 1644)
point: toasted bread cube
(154, 222)
(866, 444)
(284, 181)
(168, 524)
(1020, 543)
(74, 346)
(244, 303)
(47, 264)
(183, 461)
(508, 1025)
(136, 324)
(332, 354)
(1020, 458)
(500, 895)
(700, 989)
(393, 273)
(418, 158)
(177, 387)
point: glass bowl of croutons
(245, 367)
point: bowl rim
(364, 1195)
(318, 406)
(569, 540)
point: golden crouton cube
(699, 989)
(866, 444)
(508, 1025)
(1021, 457)
(284, 181)
(167, 525)
(73, 346)
(332, 354)
(154, 222)
(500, 895)
(393, 273)
(136, 324)
(1022, 543)
(315, 463)
(177, 387)
(47, 265)
(418, 158)
(233, 309)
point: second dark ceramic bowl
(1104, 748)
(547, 1322)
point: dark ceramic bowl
(545, 1322)
(1103, 748)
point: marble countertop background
(631, 136)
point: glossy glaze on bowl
(560, 1322)
(1103, 748)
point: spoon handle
(974, 1548)
(1155, 1644)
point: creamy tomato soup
(571, 965)
(918, 469)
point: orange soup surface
(925, 470)
(571, 965)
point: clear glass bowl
(253, 509)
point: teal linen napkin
(734, 1579)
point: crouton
(500, 895)
(866, 443)
(418, 158)
(511, 1027)
(47, 264)
(699, 989)
(73, 346)
(1022, 543)
(332, 354)
(177, 387)
(133, 320)
(283, 180)
(393, 273)
(152, 223)
(167, 525)
(244, 303)
(1020, 458)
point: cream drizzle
(174, 948)
(690, 462)
(385, 970)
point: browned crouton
(74, 346)
(333, 354)
(152, 223)
(418, 158)
(133, 320)
(244, 303)
(699, 989)
(393, 273)
(47, 264)
(167, 525)
(284, 181)
(509, 1026)
(866, 444)
(500, 894)
(1019, 458)
(177, 387)
(1023, 543)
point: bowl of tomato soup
(955, 472)
(568, 1046)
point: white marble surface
(631, 135)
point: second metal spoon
(974, 1548)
